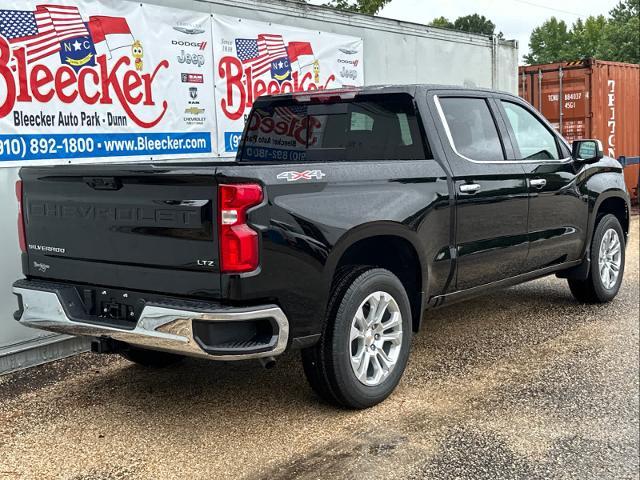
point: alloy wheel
(376, 338)
(610, 258)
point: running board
(460, 295)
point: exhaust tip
(267, 362)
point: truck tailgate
(143, 227)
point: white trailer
(394, 52)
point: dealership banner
(256, 58)
(104, 79)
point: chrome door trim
(447, 130)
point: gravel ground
(525, 383)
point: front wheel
(607, 264)
(365, 344)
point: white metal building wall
(394, 52)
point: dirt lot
(525, 383)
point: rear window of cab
(371, 127)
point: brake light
(21, 236)
(325, 96)
(238, 241)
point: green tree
(469, 23)
(442, 22)
(475, 24)
(549, 42)
(585, 38)
(370, 7)
(621, 35)
(616, 38)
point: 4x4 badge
(306, 175)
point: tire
(595, 288)
(151, 358)
(331, 365)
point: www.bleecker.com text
(83, 119)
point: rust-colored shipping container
(599, 100)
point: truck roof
(348, 92)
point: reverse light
(238, 242)
(21, 235)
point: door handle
(538, 183)
(469, 187)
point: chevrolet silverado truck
(344, 217)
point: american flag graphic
(33, 31)
(66, 20)
(39, 32)
(291, 112)
(259, 53)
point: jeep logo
(191, 58)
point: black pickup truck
(345, 216)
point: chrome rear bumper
(158, 327)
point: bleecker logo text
(102, 84)
(242, 81)
(302, 130)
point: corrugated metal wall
(394, 52)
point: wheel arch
(615, 202)
(402, 255)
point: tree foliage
(548, 42)
(475, 23)
(616, 38)
(370, 7)
(621, 35)
(469, 23)
(442, 22)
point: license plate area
(119, 308)
(116, 311)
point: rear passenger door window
(473, 129)
(533, 139)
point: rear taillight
(238, 241)
(21, 237)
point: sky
(515, 18)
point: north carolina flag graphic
(300, 54)
(109, 33)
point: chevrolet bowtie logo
(194, 111)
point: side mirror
(587, 151)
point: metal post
(494, 62)
(540, 90)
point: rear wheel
(150, 358)
(607, 264)
(365, 344)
